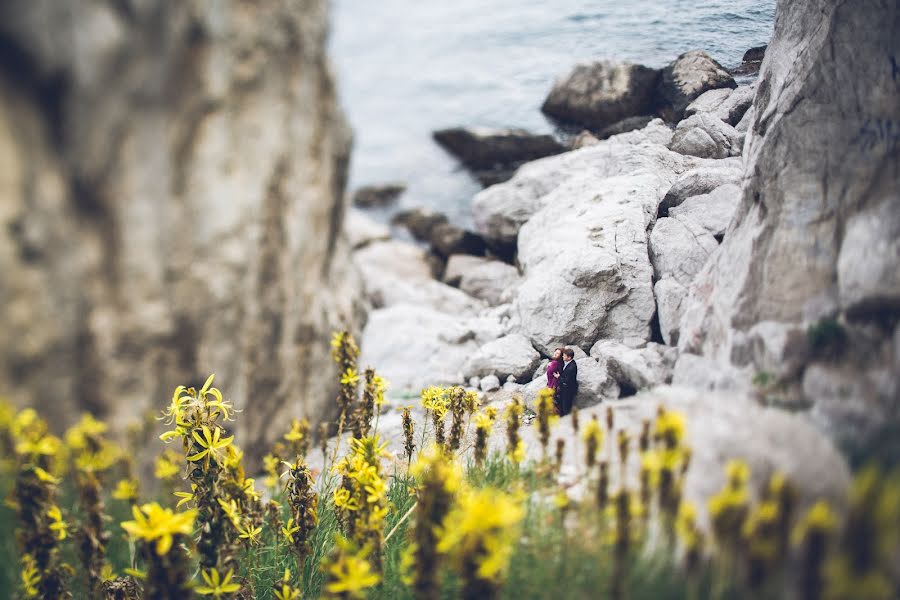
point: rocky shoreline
(650, 250)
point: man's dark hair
(569, 352)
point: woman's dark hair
(561, 350)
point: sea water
(408, 67)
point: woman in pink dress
(554, 369)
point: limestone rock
(701, 180)
(594, 383)
(733, 109)
(817, 224)
(703, 373)
(511, 355)
(490, 383)
(362, 230)
(500, 210)
(625, 125)
(598, 94)
(370, 196)
(413, 346)
(479, 148)
(689, 76)
(722, 427)
(679, 248)
(586, 272)
(187, 191)
(712, 211)
(584, 139)
(670, 296)
(489, 280)
(708, 102)
(635, 369)
(706, 136)
(419, 221)
(396, 272)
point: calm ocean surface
(408, 67)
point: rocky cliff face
(172, 182)
(806, 286)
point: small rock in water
(378, 195)
(689, 76)
(488, 148)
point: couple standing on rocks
(562, 378)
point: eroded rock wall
(806, 286)
(172, 183)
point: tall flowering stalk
(41, 524)
(458, 411)
(814, 535)
(362, 497)
(515, 449)
(409, 445)
(298, 439)
(478, 537)
(593, 441)
(436, 401)
(437, 481)
(484, 423)
(304, 505)
(161, 535)
(345, 352)
(198, 417)
(546, 417)
(94, 456)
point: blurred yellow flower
(153, 523)
(217, 586)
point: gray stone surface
(493, 281)
(510, 355)
(670, 297)
(817, 225)
(702, 180)
(601, 93)
(679, 248)
(707, 136)
(687, 77)
(713, 211)
(480, 148)
(490, 383)
(362, 230)
(501, 210)
(187, 217)
(635, 369)
(414, 346)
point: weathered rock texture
(816, 240)
(172, 183)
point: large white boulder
(490, 280)
(635, 369)
(500, 210)
(413, 346)
(396, 272)
(362, 230)
(508, 355)
(586, 271)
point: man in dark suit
(568, 382)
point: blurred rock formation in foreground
(172, 176)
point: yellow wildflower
(153, 523)
(166, 466)
(31, 578)
(350, 377)
(283, 589)
(217, 586)
(58, 525)
(126, 489)
(249, 533)
(210, 441)
(351, 575)
(186, 496)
